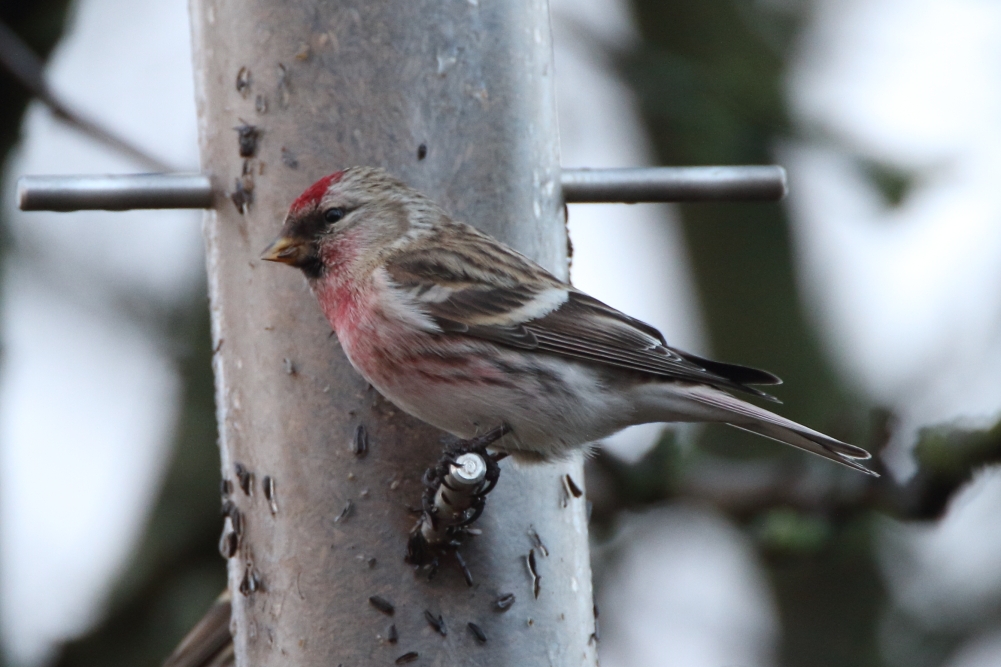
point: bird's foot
(455, 491)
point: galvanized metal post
(456, 98)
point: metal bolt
(469, 472)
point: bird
(468, 335)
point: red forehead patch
(315, 192)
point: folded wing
(487, 291)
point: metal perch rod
(113, 193)
(674, 184)
(649, 184)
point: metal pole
(113, 192)
(457, 99)
(675, 184)
(648, 184)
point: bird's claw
(420, 551)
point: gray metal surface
(113, 192)
(674, 184)
(457, 99)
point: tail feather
(751, 418)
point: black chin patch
(311, 266)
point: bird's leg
(485, 440)
(455, 490)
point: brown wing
(585, 328)
(481, 289)
(590, 329)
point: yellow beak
(286, 250)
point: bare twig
(947, 458)
(29, 70)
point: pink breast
(360, 326)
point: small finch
(468, 335)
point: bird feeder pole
(457, 99)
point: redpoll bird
(466, 334)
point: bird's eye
(333, 215)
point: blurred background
(874, 291)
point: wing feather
(480, 289)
